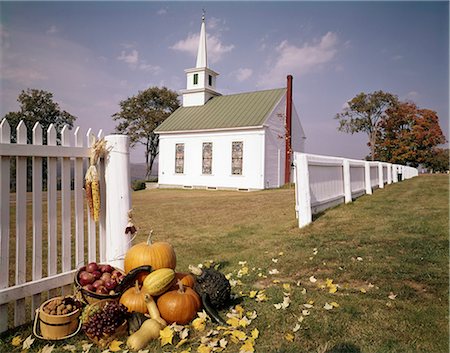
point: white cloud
(161, 12)
(215, 46)
(291, 59)
(130, 58)
(216, 24)
(242, 74)
(412, 95)
(134, 62)
(52, 30)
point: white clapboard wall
(322, 182)
(54, 224)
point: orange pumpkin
(158, 255)
(179, 305)
(134, 299)
(186, 279)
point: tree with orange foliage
(408, 135)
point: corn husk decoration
(91, 180)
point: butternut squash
(141, 338)
(153, 310)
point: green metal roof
(224, 112)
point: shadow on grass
(344, 348)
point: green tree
(364, 113)
(37, 106)
(141, 114)
(408, 135)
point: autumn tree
(440, 160)
(363, 114)
(408, 135)
(141, 114)
(37, 106)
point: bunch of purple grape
(106, 321)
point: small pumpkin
(180, 305)
(159, 281)
(156, 254)
(187, 279)
(133, 298)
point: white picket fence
(55, 221)
(322, 182)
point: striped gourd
(159, 281)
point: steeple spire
(200, 80)
(202, 60)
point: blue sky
(92, 55)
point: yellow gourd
(159, 281)
(141, 338)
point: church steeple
(202, 58)
(201, 80)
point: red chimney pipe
(287, 164)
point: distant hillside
(137, 170)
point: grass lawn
(384, 256)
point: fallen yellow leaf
(253, 293)
(16, 341)
(166, 336)
(241, 336)
(363, 290)
(204, 349)
(332, 289)
(233, 322)
(199, 324)
(286, 286)
(114, 346)
(255, 333)
(289, 337)
(247, 347)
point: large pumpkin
(179, 305)
(158, 255)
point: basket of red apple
(95, 282)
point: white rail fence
(46, 234)
(322, 181)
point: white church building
(240, 141)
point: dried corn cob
(88, 188)
(92, 184)
(96, 199)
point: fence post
(368, 182)
(118, 198)
(302, 189)
(347, 185)
(394, 173)
(380, 175)
(389, 173)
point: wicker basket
(104, 341)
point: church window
(195, 79)
(236, 158)
(210, 80)
(179, 158)
(207, 158)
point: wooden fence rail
(323, 181)
(51, 263)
